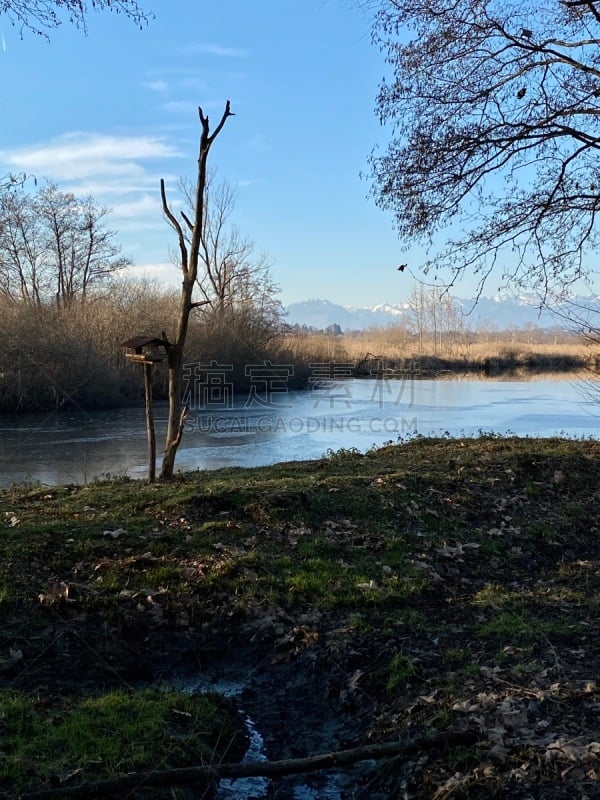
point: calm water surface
(75, 447)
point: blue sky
(114, 111)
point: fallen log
(264, 769)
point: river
(77, 446)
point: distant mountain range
(500, 312)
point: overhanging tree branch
(41, 16)
(495, 111)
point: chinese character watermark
(328, 382)
(385, 386)
(211, 387)
(207, 386)
(268, 384)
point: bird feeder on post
(147, 350)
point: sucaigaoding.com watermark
(221, 424)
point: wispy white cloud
(162, 272)
(179, 106)
(186, 81)
(121, 172)
(214, 50)
(140, 207)
(156, 86)
(112, 185)
(80, 155)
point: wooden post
(146, 350)
(150, 423)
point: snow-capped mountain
(499, 311)
(322, 313)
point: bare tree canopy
(232, 277)
(54, 247)
(494, 108)
(7, 181)
(40, 16)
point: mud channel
(289, 710)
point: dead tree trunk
(189, 268)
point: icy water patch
(75, 447)
(314, 786)
(247, 788)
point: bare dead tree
(494, 109)
(188, 262)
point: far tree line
(66, 303)
(66, 306)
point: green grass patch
(522, 626)
(390, 531)
(399, 670)
(106, 735)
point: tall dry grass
(486, 351)
(396, 344)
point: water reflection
(75, 447)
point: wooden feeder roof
(138, 342)
(146, 349)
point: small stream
(324, 736)
(250, 788)
(242, 788)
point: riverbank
(437, 587)
(508, 364)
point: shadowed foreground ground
(435, 586)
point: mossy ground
(437, 584)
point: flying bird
(402, 267)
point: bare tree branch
(176, 227)
(41, 16)
(187, 221)
(494, 107)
